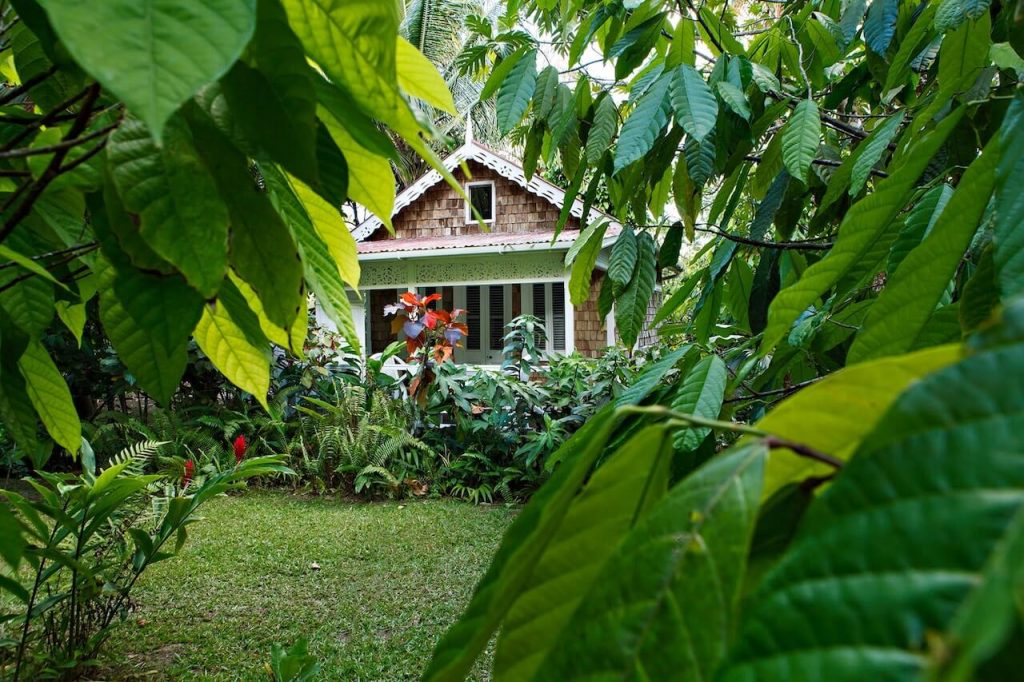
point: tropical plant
(524, 336)
(367, 439)
(79, 544)
(815, 482)
(431, 335)
(186, 164)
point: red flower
(239, 448)
(190, 468)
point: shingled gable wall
(440, 212)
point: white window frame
(469, 201)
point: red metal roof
(495, 240)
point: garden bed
(373, 586)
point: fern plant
(367, 440)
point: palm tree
(461, 37)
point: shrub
(78, 546)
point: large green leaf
(644, 124)
(588, 247)
(516, 91)
(888, 554)
(880, 24)
(694, 104)
(964, 53)
(918, 224)
(156, 366)
(330, 225)
(858, 232)
(622, 261)
(49, 395)
(184, 219)
(419, 77)
(371, 181)
(154, 54)
(606, 120)
(897, 319)
(800, 139)
(871, 151)
(664, 606)
(835, 414)
(701, 393)
(262, 251)
(632, 303)
(230, 336)
(16, 411)
(615, 498)
(523, 544)
(322, 272)
(1009, 234)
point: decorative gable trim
(473, 151)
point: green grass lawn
(391, 579)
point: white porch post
(570, 320)
(609, 323)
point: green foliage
(293, 664)
(170, 153)
(85, 541)
(845, 312)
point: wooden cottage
(516, 268)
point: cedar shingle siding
(440, 212)
(591, 336)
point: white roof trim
(560, 245)
(503, 167)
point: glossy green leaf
(623, 257)
(614, 499)
(293, 339)
(860, 228)
(880, 24)
(50, 396)
(371, 182)
(322, 273)
(898, 317)
(418, 77)
(184, 220)
(631, 304)
(354, 42)
(964, 53)
(695, 106)
(873, 149)
(1009, 234)
(835, 414)
(701, 393)
(644, 124)
(606, 119)
(130, 46)
(584, 253)
(16, 411)
(516, 91)
(918, 224)
(29, 302)
(229, 334)
(866, 588)
(666, 602)
(523, 544)
(261, 248)
(800, 139)
(545, 93)
(734, 98)
(330, 225)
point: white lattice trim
(474, 152)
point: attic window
(481, 197)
